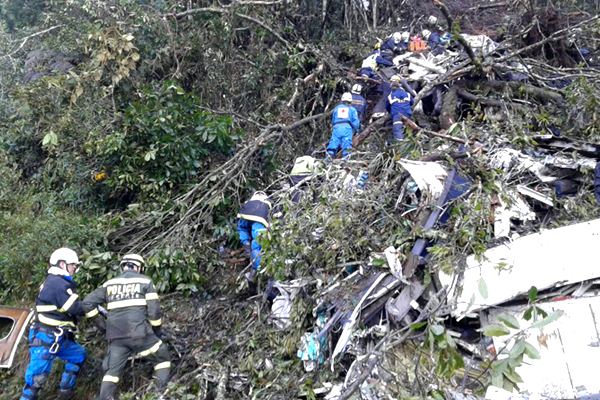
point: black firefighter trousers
(119, 350)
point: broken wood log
(449, 115)
(542, 95)
(478, 99)
(370, 129)
(416, 128)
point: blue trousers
(398, 127)
(340, 138)
(41, 362)
(249, 231)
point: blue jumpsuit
(345, 123)
(52, 334)
(253, 215)
(398, 104)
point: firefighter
(52, 332)
(133, 324)
(253, 220)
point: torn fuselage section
(13, 323)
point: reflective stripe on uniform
(92, 313)
(68, 303)
(110, 378)
(151, 350)
(254, 218)
(125, 281)
(151, 296)
(125, 303)
(397, 100)
(163, 365)
(45, 308)
(54, 322)
(155, 322)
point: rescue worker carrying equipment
(358, 101)
(345, 123)
(398, 104)
(52, 332)
(371, 63)
(133, 324)
(253, 220)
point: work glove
(165, 337)
(247, 249)
(102, 311)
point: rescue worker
(391, 46)
(371, 64)
(304, 167)
(133, 324)
(253, 220)
(358, 101)
(398, 104)
(345, 124)
(52, 332)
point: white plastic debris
(391, 256)
(429, 176)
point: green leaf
(509, 320)
(550, 318)
(532, 294)
(531, 352)
(517, 349)
(482, 286)
(437, 330)
(499, 366)
(498, 380)
(527, 314)
(418, 325)
(494, 330)
(513, 376)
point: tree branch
(29, 37)
(224, 10)
(456, 35)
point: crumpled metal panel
(13, 323)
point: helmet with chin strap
(132, 261)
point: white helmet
(64, 254)
(405, 35)
(347, 97)
(134, 259)
(397, 36)
(260, 196)
(426, 33)
(395, 78)
(432, 20)
(357, 88)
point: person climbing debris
(304, 167)
(358, 101)
(253, 220)
(398, 104)
(52, 332)
(371, 64)
(345, 124)
(133, 324)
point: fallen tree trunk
(449, 116)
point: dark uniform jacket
(132, 304)
(56, 304)
(256, 211)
